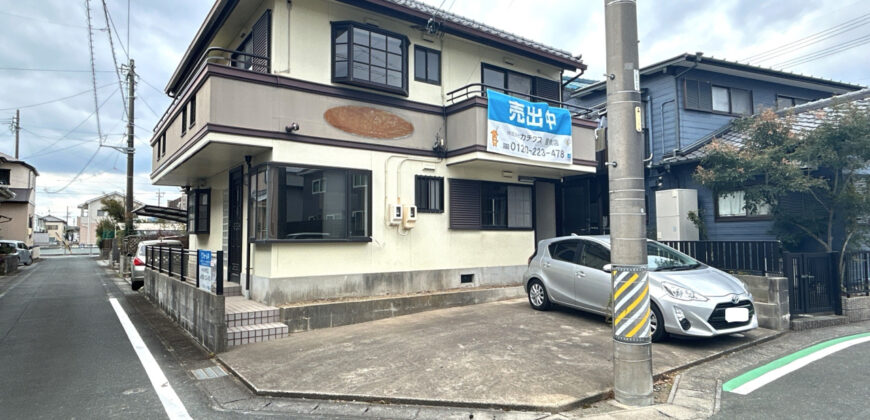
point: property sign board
(528, 130)
(206, 271)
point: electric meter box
(409, 217)
(394, 214)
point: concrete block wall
(201, 313)
(771, 301)
(856, 308)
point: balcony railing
(479, 89)
(175, 263)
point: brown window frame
(702, 106)
(426, 51)
(349, 79)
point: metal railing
(479, 89)
(175, 263)
(856, 272)
(752, 257)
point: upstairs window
(254, 51)
(198, 209)
(4, 176)
(783, 102)
(520, 85)
(427, 65)
(364, 55)
(183, 120)
(700, 95)
(191, 113)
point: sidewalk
(497, 355)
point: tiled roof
(470, 23)
(805, 117)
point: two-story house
(91, 212)
(56, 228)
(17, 215)
(687, 101)
(338, 148)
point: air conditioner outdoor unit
(672, 215)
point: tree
(104, 225)
(781, 163)
(115, 209)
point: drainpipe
(247, 237)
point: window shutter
(548, 89)
(519, 207)
(705, 96)
(261, 37)
(692, 95)
(464, 204)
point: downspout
(677, 108)
(247, 238)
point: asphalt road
(834, 387)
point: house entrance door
(234, 223)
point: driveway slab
(497, 355)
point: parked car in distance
(22, 250)
(138, 276)
(686, 297)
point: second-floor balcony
(231, 106)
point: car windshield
(661, 258)
(7, 248)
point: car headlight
(682, 293)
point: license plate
(736, 314)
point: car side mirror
(607, 267)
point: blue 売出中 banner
(529, 130)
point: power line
(142, 98)
(93, 67)
(151, 86)
(54, 100)
(811, 39)
(825, 53)
(52, 70)
(111, 22)
(53, 22)
(114, 58)
(78, 174)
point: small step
(242, 312)
(232, 289)
(247, 334)
(808, 322)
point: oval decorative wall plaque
(368, 122)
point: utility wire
(78, 174)
(142, 98)
(54, 100)
(51, 70)
(53, 22)
(111, 23)
(810, 39)
(93, 67)
(824, 53)
(151, 86)
(109, 26)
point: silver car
(138, 272)
(22, 250)
(687, 297)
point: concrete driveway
(501, 355)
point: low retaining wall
(201, 313)
(8, 264)
(289, 290)
(856, 308)
(771, 301)
(335, 314)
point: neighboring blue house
(687, 101)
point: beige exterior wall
(89, 217)
(17, 228)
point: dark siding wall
(694, 125)
(681, 177)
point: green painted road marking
(786, 360)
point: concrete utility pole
(17, 128)
(632, 349)
(131, 87)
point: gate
(813, 285)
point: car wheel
(538, 296)
(656, 323)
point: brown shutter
(464, 204)
(692, 101)
(261, 37)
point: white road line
(795, 365)
(171, 403)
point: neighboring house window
(258, 43)
(51, 227)
(701, 95)
(427, 65)
(294, 203)
(191, 114)
(183, 120)
(733, 205)
(783, 102)
(198, 210)
(429, 194)
(519, 85)
(101, 213)
(4, 176)
(366, 56)
(490, 205)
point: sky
(45, 68)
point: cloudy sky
(45, 65)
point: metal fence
(175, 263)
(856, 273)
(752, 257)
